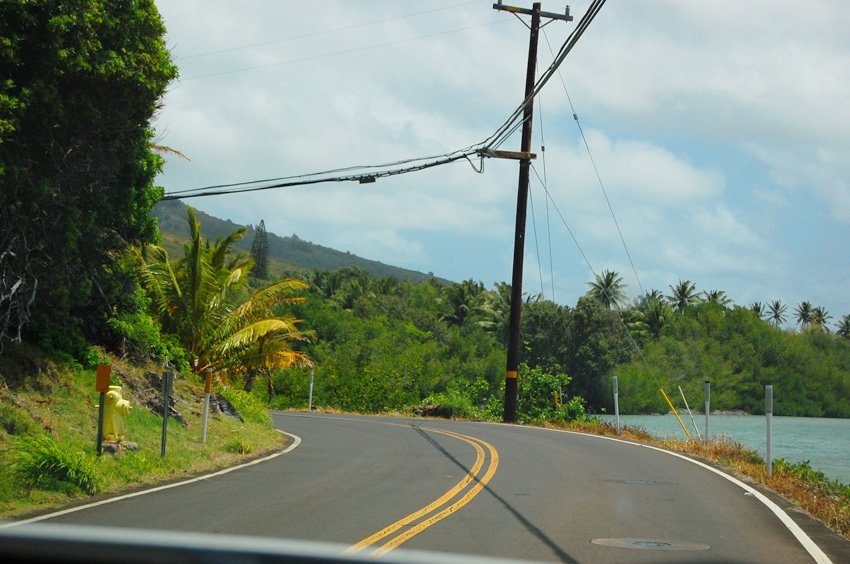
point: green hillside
(285, 253)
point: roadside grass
(824, 499)
(48, 427)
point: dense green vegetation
(740, 353)
(385, 345)
(80, 82)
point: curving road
(377, 483)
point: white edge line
(296, 440)
(811, 547)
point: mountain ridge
(286, 253)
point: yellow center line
(474, 491)
(442, 500)
(390, 529)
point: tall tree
(608, 289)
(803, 314)
(758, 308)
(717, 297)
(843, 327)
(260, 252)
(649, 318)
(201, 298)
(820, 319)
(682, 295)
(776, 312)
(80, 83)
(466, 302)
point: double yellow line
(438, 509)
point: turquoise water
(825, 443)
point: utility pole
(525, 156)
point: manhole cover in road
(651, 544)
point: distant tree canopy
(79, 83)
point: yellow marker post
(676, 413)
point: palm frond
(262, 301)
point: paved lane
(520, 493)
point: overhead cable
(596, 170)
(368, 173)
(592, 271)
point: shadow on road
(530, 527)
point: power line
(536, 245)
(592, 271)
(372, 172)
(324, 32)
(596, 170)
(546, 200)
(343, 52)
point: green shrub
(247, 405)
(16, 421)
(238, 445)
(571, 410)
(39, 461)
(450, 403)
(144, 339)
(805, 472)
(538, 393)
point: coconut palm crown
(608, 289)
(203, 297)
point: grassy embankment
(48, 422)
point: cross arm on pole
(512, 155)
(517, 10)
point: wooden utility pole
(512, 369)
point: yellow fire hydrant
(115, 410)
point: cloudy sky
(720, 130)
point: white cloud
(715, 127)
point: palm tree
(682, 295)
(326, 283)
(202, 298)
(843, 327)
(497, 310)
(776, 312)
(386, 286)
(466, 302)
(819, 319)
(654, 294)
(758, 308)
(649, 318)
(608, 289)
(803, 314)
(717, 297)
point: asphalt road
(375, 483)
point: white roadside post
(768, 413)
(617, 403)
(707, 408)
(310, 401)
